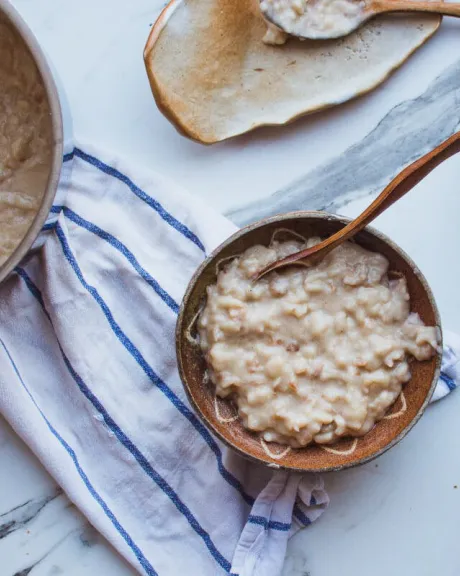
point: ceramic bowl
(9, 14)
(219, 415)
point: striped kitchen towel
(88, 379)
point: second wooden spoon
(402, 184)
(320, 26)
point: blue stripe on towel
(126, 442)
(110, 171)
(33, 289)
(228, 477)
(135, 353)
(301, 517)
(232, 480)
(74, 217)
(448, 381)
(49, 226)
(127, 538)
(272, 524)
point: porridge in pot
(311, 354)
(25, 140)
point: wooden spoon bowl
(220, 416)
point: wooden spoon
(402, 184)
(349, 23)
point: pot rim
(18, 24)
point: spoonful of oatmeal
(325, 19)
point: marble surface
(396, 516)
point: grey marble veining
(297, 565)
(41, 531)
(19, 516)
(408, 131)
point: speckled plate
(213, 78)
(220, 416)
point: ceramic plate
(213, 77)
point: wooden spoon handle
(446, 8)
(397, 188)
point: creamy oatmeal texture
(311, 354)
(25, 140)
(311, 18)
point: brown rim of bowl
(280, 218)
(18, 24)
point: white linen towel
(88, 379)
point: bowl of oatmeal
(310, 368)
(31, 139)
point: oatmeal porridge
(311, 354)
(311, 18)
(25, 140)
